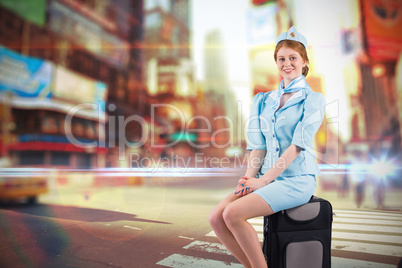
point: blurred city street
(123, 123)
(164, 223)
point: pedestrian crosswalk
(359, 239)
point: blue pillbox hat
(292, 34)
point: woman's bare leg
(236, 215)
(223, 233)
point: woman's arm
(248, 183)
(253, 166)
(255, 162)
(281, 164)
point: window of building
(84, 161)
(31, 158)
(60, 159)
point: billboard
(75, 88)
(261, 24)
(24, 76)
(38, 84)
(71, 24)
(260, 2)
(32, 11)
(382, 27)
(111, 15)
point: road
(163, 226)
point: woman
(281, 169)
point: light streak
(379, 168)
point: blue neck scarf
(297, 84)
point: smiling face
(290, 64)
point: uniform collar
(298, 94)
(273, 94)
(296, 98)
(299, 82)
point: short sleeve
(313, 115)
(255, 138)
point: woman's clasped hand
(247, 185)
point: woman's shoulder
(260, 97)
(314, 100)
(312, 95)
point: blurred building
(169, 74)
(382, 45)
(215, 67)
(261, 37)
(166, 49)
(68, 61)
(219, 96)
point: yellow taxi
(14, 185)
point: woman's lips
(288, 70)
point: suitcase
(299, 237)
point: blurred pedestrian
(379, 192)
(281, 169)
(380, 169)
(360, 188)
(344, 187)
(357, 172)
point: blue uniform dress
(274, 131)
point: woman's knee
(215, 218)
(231, 216)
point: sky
(229, 16)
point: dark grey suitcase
(299, 237)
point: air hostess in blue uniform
(281, 170)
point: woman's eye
(292, 58)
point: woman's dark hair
(299, 47)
